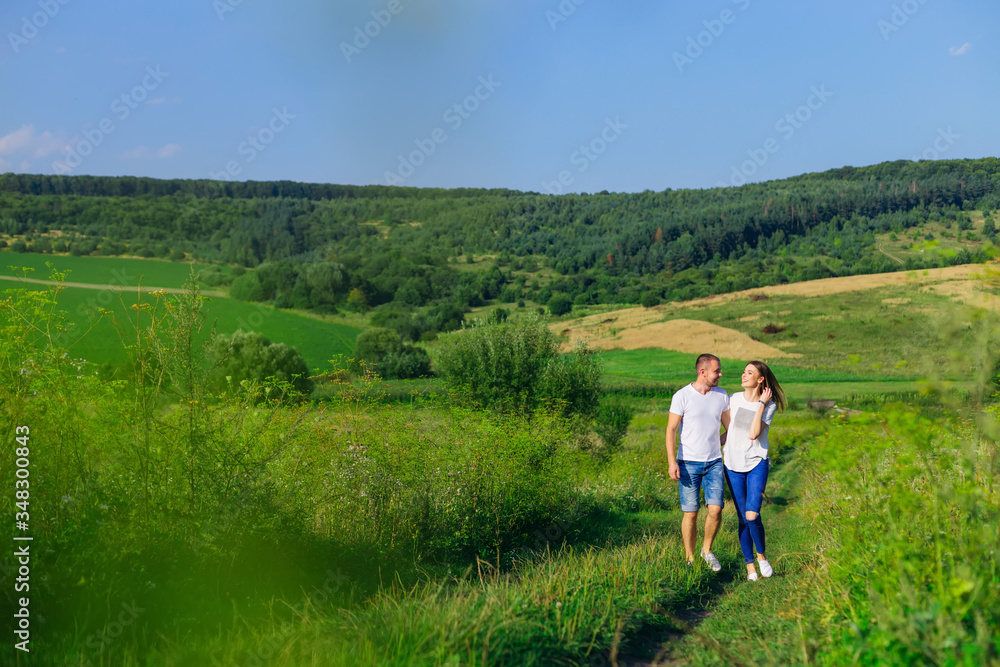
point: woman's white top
(741, 454)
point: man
(699, 409)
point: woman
(746, 457)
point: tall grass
(204, 511)
(905, 507)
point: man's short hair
(705, 360)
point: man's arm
(673, 421)
(725, 427)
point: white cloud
(4, 166)
(27, 141)
(25, 166)
(960, 50)
(169, 150)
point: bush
(247, 287)
(560, 304)
(247, 359)
(611, 425)
(515, 366)
(649, 300)
(499, 315)
(384, 351)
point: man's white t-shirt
(701, 416)
(743, 454)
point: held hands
(674, 471)
(765, 395)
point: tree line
(414, 256)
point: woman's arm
(758, 425)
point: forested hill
(401, 244)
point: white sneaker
(765, 568)
(712, 561)
(752, 576)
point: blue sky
(550, 96)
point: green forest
(417, 260)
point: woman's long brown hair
(777, 395)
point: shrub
(499, 315)
(515, 366)
(649, 300)
(611, 425)
(247, 287)
(560, 304)
(446, 483)
(247, 359)
(384, 350)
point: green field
(118, 271)
(622, 367)
(96, 339)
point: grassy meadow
(173, 526)
(92, 312)
(118, 271)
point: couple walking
(696, 413)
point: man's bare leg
(689, 531)
(712, 522)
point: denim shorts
(698, 475)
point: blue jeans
(748, 495)
(698, 475)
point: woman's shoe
(765, 567)
(752, 576)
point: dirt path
(889, 254)
(740, 619)
(168, 290)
